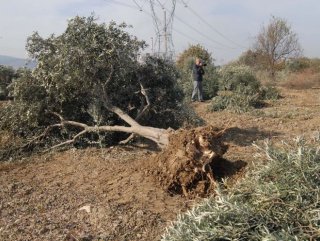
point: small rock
(140, 213)
(86, 208)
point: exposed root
(186, 165)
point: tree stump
(185, 165)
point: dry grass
(303, 80)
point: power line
(122, 4)
(196, 40)
(196, 30)
(156, 21)
(209, 25)
(185, 35)
(202, 34)
(141, 9)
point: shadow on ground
(245, 137)
(223, 168)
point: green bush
(269, 92)
(298, 64)
(240, 91)
(234, 76)
(7, 74)
(277, 200)
(236, 101)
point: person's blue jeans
(197, 88)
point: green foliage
(270, 92)
(277, 200)
(298, 64)
(236, 101)
(191, 53)
(25, 112)
(240, 91)
(158, 77)
(7, 74)
(210, 82)
(84, 68)
(254, 59)
(233, 77)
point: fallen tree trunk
(158, 135)
(188, 159)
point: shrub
(234, 76)
(7, 74)
(191, 53)
(305, 79)
(240, 91)
(270, 92)
(298, 64)
(277, 200)
(236, 101)
(315, 64)
(302, 73)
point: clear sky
(225, 27)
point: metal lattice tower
(163, 16)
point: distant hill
(16, 62)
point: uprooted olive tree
(91, 87)
(88, 80)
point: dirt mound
(192, 162)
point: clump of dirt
(192, 162)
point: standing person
(197, 72)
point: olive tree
(277, 42)
(88, 80)
(192, 52)
(7, 74)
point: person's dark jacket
(198, 72)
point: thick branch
(160, 136)
(124, 116)
(141, 113)
(146, 107)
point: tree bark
(158, 135)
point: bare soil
(116, 194)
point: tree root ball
(187, 165)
